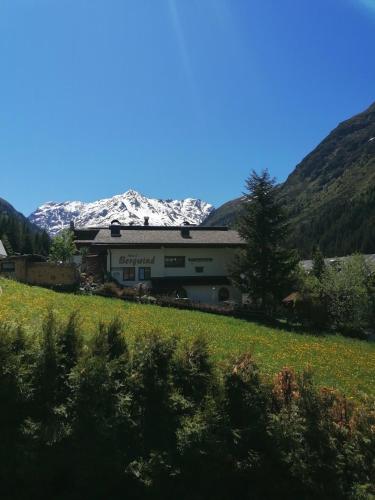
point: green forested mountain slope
(18, 234)
(225, 215)
(331, 193)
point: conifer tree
(116, 343)
(266, 267)
(68, 346)
(28, 245)
(14, 234)
(318, 263)
(45, 243)
(47, 418)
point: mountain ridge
(128, 207)
(330, 195)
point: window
(129, 273)
(8, 267)
(223, 294)
(144, 273)
(199, 269)
(174, 261)
(181, 293)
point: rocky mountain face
(330, 195)
(130, 207)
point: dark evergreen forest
(19, 235)
(330, 195)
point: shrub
(110, 289)
(129, 294)
(348, 294)
(342, 299)
(62, 247)
(160, 420)
(193, 371)
(310, 305)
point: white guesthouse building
(185, 261)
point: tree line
(339, 296)
(160, 420)
(18, 236)
(342, 227)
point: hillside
(18, 234)
(331, 193)
(338, 362)
(129, 207)
(225, 215)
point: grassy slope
(337, 362)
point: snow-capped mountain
(128, 207)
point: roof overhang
(28, 257)
(158, 245)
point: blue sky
(173, 98)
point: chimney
(185, 232)
(115, 227)
(146, 223)
(71, 225)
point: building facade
(183, 261)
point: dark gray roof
(164, 236)
(28, 256)
(308, 264)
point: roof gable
(3, 252)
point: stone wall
(51, 274)
(21, 269)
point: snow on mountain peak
(130, 206)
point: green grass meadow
(338, 362)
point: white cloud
(177, 26)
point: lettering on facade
(135, 260)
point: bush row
(341, 298)
(111, 289)
(159, 420)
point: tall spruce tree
(318, 264)
(265, 268)
(28, 243)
